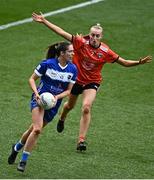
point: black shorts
(78, 88)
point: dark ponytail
(51, 53)
(55, 49)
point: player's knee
(37, 131)
(86, 109)
(69, 106)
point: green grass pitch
(121, 135)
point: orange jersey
(90, 60)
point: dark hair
(55, 49)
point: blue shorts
(48, 114)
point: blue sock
(25, 156)
(18, 146)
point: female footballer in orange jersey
(90, 56)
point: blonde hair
(97, 26)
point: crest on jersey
(69, 76)
(100, 55)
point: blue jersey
(54, 79)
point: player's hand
(55, 102)
(38, 99)
(146, 59)
(37, 17)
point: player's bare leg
(37, 123)
(68, 106)
(89, 96)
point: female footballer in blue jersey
(57, 75)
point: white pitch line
(27, 20)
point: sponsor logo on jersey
(60, 76)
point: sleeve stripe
(72, 38)
(37, 73)
(115, 59)
(73, 82)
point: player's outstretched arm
(146, 59)
(129, 63)
(41, 19)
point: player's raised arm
(41, 19)
(129, 63)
